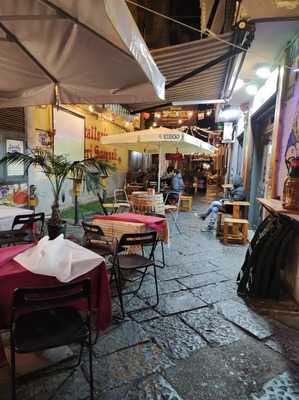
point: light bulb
(91, 108)
(180, 121)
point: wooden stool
(186, 203)
(239, 230)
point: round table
(146, 203)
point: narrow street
(202, 342)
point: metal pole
(159, 169)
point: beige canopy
(79, 51)
(160, 140)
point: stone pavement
(202, 342)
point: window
(9, 142)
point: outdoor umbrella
(63, 51)
(161, 141)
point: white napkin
(60, 258)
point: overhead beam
(213, 13)
(204, 67)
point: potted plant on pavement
(57, 168)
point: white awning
(75, 51)
(154, 140)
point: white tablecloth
(7, 215)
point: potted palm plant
(57, 168)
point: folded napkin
(60, 258)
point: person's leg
(213, 216)
(215, 203)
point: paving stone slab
(212, 326)
(247, 319)
(148, 288)
(285, 341)
(216, 292)
(168, 273)
(152, 388)
(282, 387)
(121, 336)
(131, 303)
(145, 315)
(172, 335)
(67, 385)
(204, 279)
(125, 366)
(178, 302)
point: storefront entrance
(261, 172)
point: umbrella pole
(159, 169)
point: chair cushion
(133, 261)
(44, 329)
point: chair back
(92, 231)
(120, 196)
(138, 239)
(176, 197)
(34, 223)
(46, 298)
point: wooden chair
(239, 230)
(186, 203)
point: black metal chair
(138, 262)
(43, 318)
(25, 229)
(162, 263)
(95, 240)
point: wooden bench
(239, 230)
(186, 203)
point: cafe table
(13, 275)
(8, 214)
(117, 224)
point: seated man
(236, 194)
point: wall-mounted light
(251, 89)
(154, 124)
(209, 112)
(158, 115)
(190, 114)
(180, 121)
(263, 72)
(91, 108)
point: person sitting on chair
(236, 194)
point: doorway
(261, 171)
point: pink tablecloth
(156, 223)
(13, 275)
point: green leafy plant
(57, 168)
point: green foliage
(57, 168)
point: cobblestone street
(202, 342)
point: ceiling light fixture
(251, 89)
(263, 72)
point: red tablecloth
(155, 223)
(13, 275)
